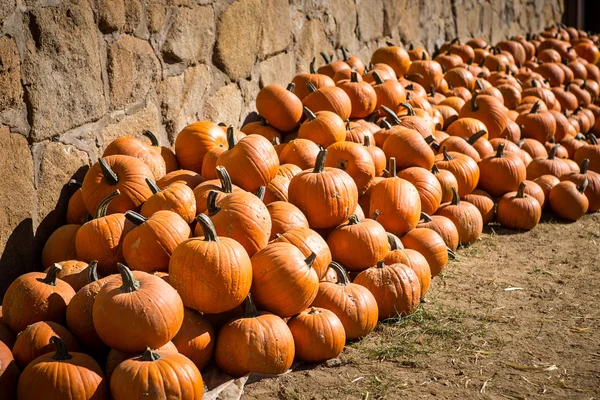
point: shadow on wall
(23, 250)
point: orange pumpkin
(328, 98)
(61, 245)
(323, 128)
(317, 79)
(488, 110)
(429, 188)
(466, 218)
(194, 141)
(431, 245)
(463, 167)
(363, 97)
(177, 198)
(195, 339)
(148, 154)
(501, 173)
(285, 216)
(484, 203)
(517, 210)
(568, 200)
(318, 335)
(443, 226)
(280, 107)
(300, 152)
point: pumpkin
(308, 242)
(136, 310)
(464, 146)
(60, 246)
(447, 181)
(277, 189)
(395, 287)
(190, 178)
(547, 166)
(358, 133)
(288, 170)
(196, 338)
(426, 73)
(378, 157)
(355, 160)
(148, 154)
(517, 210)
(534, 148)
(300, 152)
(591, 152)
(160, 373)
(313, 193)
(354, 62)
(464, 168)
(285, 216)
(488, 110)
(317, 79)
(394, 56)
(279, 106)
(414, 118)
(77, 213)
(484, 203)
(123, 173)
(34, 297)
(409, 148)
(9, 373)
(115, 357)
(102, 238)
(7, 338)
(546, 183)
(323, 128)
(331, 67)
(501, 173)
(353, 304)
(222, 185)
(48, 373)
(328, 98)
(318, 335)
(429, 188)
(443, 227)
(77, 273)
(466, 128)
(568, 200)
(256, 342)
(389, 93)
(177, 198)
(466, 218)
(34, 341)
(283, 281)
(262, 128)
(538, 125)
(431, 245)
(592, 191)
(148, 246)
(363, 97)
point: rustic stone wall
(77, 74)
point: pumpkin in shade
(209, 164)
(262, 128)
(358, 244)
(276, 190)
(590, 151)
(196, 338)
(447, 181)
(362, 95)
(328, 98)
(484, 203)
(123, 173)
(283, 281)
(355, 160)
(102, 238)
(34, 341)
(148, 246)
(222, 186)
(568, 200)
(223, 281)
(443, 226)
(548, 166)
(488, 110)
(330, 276)
(547, 182)
(429, 188)
(318, 335)
(397, 201)
(160, 373)
(308, 242)
(77, 213)
(464, 168)
(426, 73)
(190, 178)
(326, 196)
(177, 198)
(257, 342)
(34, 297)
(137, 310)
(77, 273)
(241, 216)
(285, 216)
(279, 106)
(48, 373)
(534, 148)
(431, 245)
(353, 304)
(323, 128)
(517, 210)
(332, 67)
(60, 246)
(6, 337)
(592, 191)
(466, 218)
(148, 154)
(251, 162)
(501, 173)
(395, 287)
(9, 373)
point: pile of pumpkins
(303, 229)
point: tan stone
(249, 91)
(239, 37)
(156, 14)
(225, 105)
(17, 201)
(370, 19)
(6, 8)
(12, 108)
(312, 41)
(135, 124)
(111, 15)
(132, 69)
(134, 16)
(277, 27)
(278, 69)
(190, 37)
(61, 69)
(344, 13)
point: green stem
(225, 179)
(231, 139)
(391, 115)
(455, 197)
(320, 162)
(584, 166)
(325, 57)
(583, 186)
(109, 175)
(135, 218)
(341, 274)
(93, 271)
(409, 108)
(211, 202)
(250, 308)
(130, 285)
(309, 114)
(50, 278)
(150, 355)
(260, 193)
(476, 137)
(311, 87)
(310, 260)
(103, 206)
(385, 124)
(62, 353)
(210, 235)
(593, 139)
(152, 185)
(153, 139)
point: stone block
(132, 70)
(311, 42)
(225, 105)
(134, 18)
(12, 108)
(111, 15)
(134, 124)
(277, 27)
(278, 69)
(190, 36)
(344, 14)
(156, 15)
(239, 37)
(61, 69)
(370, 19)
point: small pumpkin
(592, 191)
(77, 273)
(488, 110)
(443, 226)
(222, 185)
(363, 97)
(568, 200)
(34, 341)
(317, 79)
(466, 218)
(389, 93)
(190, 178)
(318, 335)
(61, 245)
(148, 154)
(262, 128)
(328, 98)
(355, 160)
(591, 152)
(300, 152)
(484, 203)
(323, 128)
(547, 166)
(428, 186)
(394, 56)
(447, 181)
(464, 168)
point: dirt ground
(516, 316)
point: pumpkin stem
(354, 77)
(380, 264)
(341, 273)
(93, 271)
(385, 124)
(290, 87)
(310, 260)
(393, 241)
(392, 167)
(455, 197)
(250, 308)
(423, 56)
(584, 166)
(276, 141)
(153, 187)
(479, 84)
(476, 137)
(210, 235)
(583, 85)
(451, 253)
(344, 54)
(535, 83)
(372, 117)
(103, 206)
(135, 218)
(430, 139)
(391, 115)
(474, 106)
(312, 66)
(567, 86)
(447, 156)
(520, 191)
(50, 278)
(535, 107)
(262, 120)
(311, 87)
(500, 150)
(130, 285)
(225, 179)
(260, 193)
(231, 139)
(309, 114)
(62, 353)
(431, 90)
(425, 217)
(584, 185)
(109, 175)
(325, 57)
(553, 151)
(409, 108)
(410, 86)
(367, 141)
(149, 355)
(153, 139)
(435, 170)
(74, 183)
(353, 220)
(375, 215)
(377, 78)
(593, 139)
(320, 162)
(211, 202)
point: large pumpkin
(568, 200)
(318, 335)
(443, 226)
(428, 186)
(431, 245)
(488, 110)
(416, 261)
(323, 128)
(285, 216)
(592, 190)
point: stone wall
(77, 74)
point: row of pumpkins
(330, 213)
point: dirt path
(516, 317)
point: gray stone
(61, 69)
(239, 37)
(278, 69)
(277, 27)
(111, 15)
(6, 8)
(311, 42)
(132, 70)
(370, 19)
(225, 105)
(190, 37)
(134, 124)
(12, 108)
